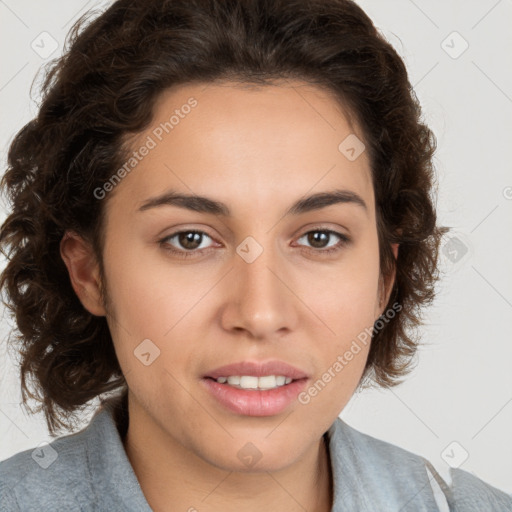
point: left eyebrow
(324, 199)
(207, 205)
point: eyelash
(344, 240)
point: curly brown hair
(103, 89)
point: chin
(249, 453)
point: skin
(258, 150)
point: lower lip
(255, 402)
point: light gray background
(461, 389)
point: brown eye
(185, 242)
(319, 239)
(190, 239)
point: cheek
(345, 295)
(347, 308)
(148, 294)
(345, 298)
(154, 301)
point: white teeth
(267, 382)
(280, 380)
(248, 382)
(252, 382)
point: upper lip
(258, 369)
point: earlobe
(83, 270)
(394, 248)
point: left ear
(83, 270)
(386, 284)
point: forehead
(247, 144)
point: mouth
(255, 389)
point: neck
(174, 478)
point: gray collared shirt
(90, 471)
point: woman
(222, 226)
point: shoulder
(81, 472)
(370, 474)
(409, 480)
(69, 473)
(470, 493)
(43, 476)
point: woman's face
(257, 284)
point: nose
(261, 300)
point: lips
(255, 402)
(258, 369)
